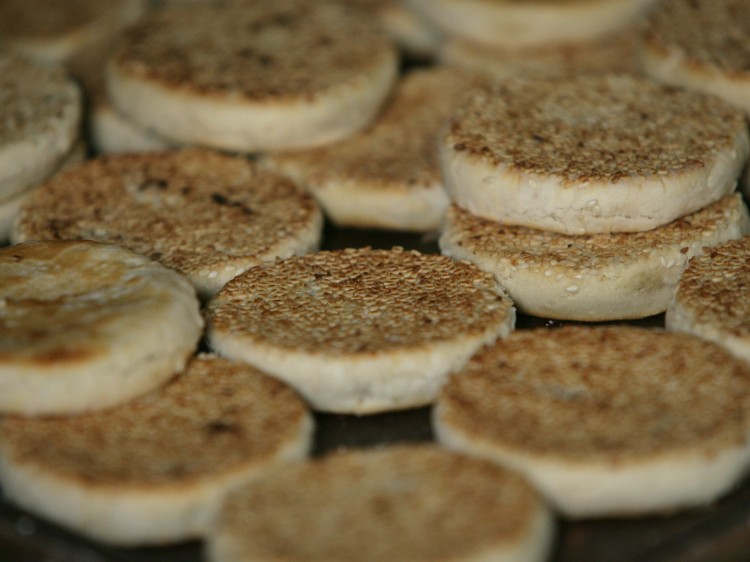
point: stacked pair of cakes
(505, 37)
(586, 197)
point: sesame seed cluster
(606, 393)
(358, 302)
(594, 128)
(715, 286)
(710, 33)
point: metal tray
(720, 532)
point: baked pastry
(387, 176)
(417, 503)
(270, 74)
(587, 154)
(592, 277)
(155, 469)
(84, 326)
(175, 207)
(605, 421)
(359, 331)
(712, 301)
(702, 45)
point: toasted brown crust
(708, 33)
(714, 288)
(358, 302)
(602, 128)
(176, 207)
(399, 503)
(612, 394)
(217, 417)
(551, 253)
(268, 51)
(35, 100)
(398, 152)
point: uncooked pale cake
(417, 503)
(269, 74)
(40, 113)
(85, 325)
(713, 298)
(702, 45)
(53, 31)
(204, 214)
(587, 154)
(605, 421)
(596, 276)
(360, 331)
(530, 23)
(387, 176)
(156, 468)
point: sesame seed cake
(587, 154)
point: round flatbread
(580, 155)
(360, 331)
(85, 325)
(270, 74)
(387, 176)
(155, 469)
(713, 298)
(204, 214)
(530, 23)
(596, 276)
(702, 45)
(605, 421)
(53, 31)
(416, 503)
(40, 113)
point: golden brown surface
(61, 302)
(594, 128)
(399, 503)
(266, 51)
(195, 210)
(588, 254)
(708, 32)
(358, 301)
(398, 152)
(34, 99)
(715, 287)
(601, 393)
(217, 417)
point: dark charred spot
(153, 184)
(216, 427)
(538, 138)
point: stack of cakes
(505, 37)
(586, 197)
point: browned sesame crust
(601, 394)
(586, 254)
(715, 287)
(714, 33)
(398, 152)
(34, 99)
(193, 210)
(58, 301)
(215, 418)
(358, 302)
(263, 51)
(603, 128)
(398, 503)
